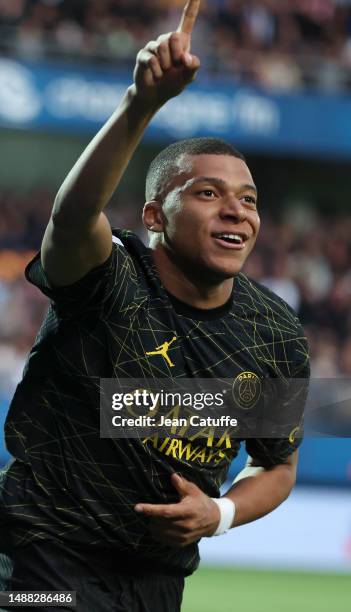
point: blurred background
(276, 82)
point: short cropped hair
(164, 166)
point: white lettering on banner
(78, 98)
(193, 112)
(256, 114)
(19, 99)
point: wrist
(227, 514)
(140, 104)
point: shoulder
(280, 321)
(130, 241)
(266, 302)
(129, 245)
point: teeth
(235, 237)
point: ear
(153, 217)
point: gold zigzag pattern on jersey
(260, 329)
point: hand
(196, 515)
(165, 66)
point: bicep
(69, 254)
(291, 461)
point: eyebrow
(218, 181)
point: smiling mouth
(231, 240)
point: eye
(208, 193)
(250, 200)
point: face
(209, 216)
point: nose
(233, 210)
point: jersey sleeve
(289, 405)
(110, 285)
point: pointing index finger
(167, 511)
(189, 16)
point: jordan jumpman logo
(163, 351)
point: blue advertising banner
(70, 99)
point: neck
(180, 281)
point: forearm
(78, 237)
(256, 496)
(163, 69)
(94, 178)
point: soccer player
(118, 521)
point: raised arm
(78, 236)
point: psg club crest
(247, 390)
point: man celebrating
(118, 521)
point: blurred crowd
(279, 44)
(304, 257)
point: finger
(152, 46)
(164, 55)
(168, 531)
(162, 524)
(176, 49)
(191, 67)
(161, 49)
(148, 60)
(189, 17)
(191, 62)
(170, 537)
(183, 486)
(166, 511)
